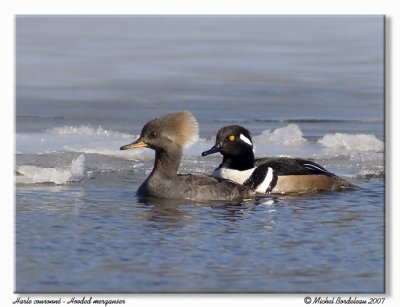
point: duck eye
(153, 134)
(231, 138)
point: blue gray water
(305, 86)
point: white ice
(34, 174)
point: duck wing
(293, 166)
(204, 187)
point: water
(307, 87)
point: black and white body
(269, 175)
(168, 135)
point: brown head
(173, 129)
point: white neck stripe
(234, 175)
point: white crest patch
(245, 139)
(262, 188)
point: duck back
(194, 187)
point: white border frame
(240, 7)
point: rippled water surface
(308, 87)
(97, 236)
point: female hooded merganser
(168, 135)
(269, 175)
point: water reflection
(165, 212)
(233, 212)
(178, 210)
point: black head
(233, 141)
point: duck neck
(166, 163)
(238, 162)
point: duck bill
(214, 149)
(139, 143)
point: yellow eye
(231, 138)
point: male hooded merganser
(269, 175)
(168, 135)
